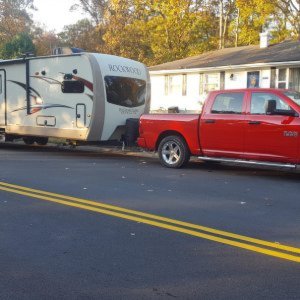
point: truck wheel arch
(173, 151)
(169, 133)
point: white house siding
(265, 78)
(238, 79)
(235, 79)
(189, 97)
(166, 93)
(157, 92)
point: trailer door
(2, 98)
(80, 115)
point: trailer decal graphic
(47, 79)
(86, 83)
(24, 86)
(50, 80)
(90, 96)
(37, 108)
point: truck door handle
(254, 122)
(210, 121)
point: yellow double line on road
(236, 240)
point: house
(185, 83)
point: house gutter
(226, 68)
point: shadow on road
(152, 160)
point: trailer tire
(28, 140)
(173, 152)
(42, 141)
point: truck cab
(251, 124)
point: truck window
(124, 91)
(259, 103)
(295, 96)
(228, 103)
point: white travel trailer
(83, 97)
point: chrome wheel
(171, 153)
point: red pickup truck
(254, 126)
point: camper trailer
(83, 97)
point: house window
(175, 85)
(282, 79)
(294, 80)
(209, 82)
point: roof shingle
(283, 52)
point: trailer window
(124, 91)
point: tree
(82, 34)
(14, 18)
(255, 16)
(227, 14)
(17, 47)
(290, 10)
(45, 41)
(94, 8)
(158, 31)
(122, 36)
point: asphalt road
(51, 250)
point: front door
(270, 137)
(80, 115)
(222, 126)
(2, 98)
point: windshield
(294, 96)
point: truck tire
(42, 141)
(173, 152)
(28, 140)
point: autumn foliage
(153, 31)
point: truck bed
(154, 127)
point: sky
(54, 14)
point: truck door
(270, 137)
(2, 98)
(222, 125)
(80, 115)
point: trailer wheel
(28, 140)
(173, 152)
(42, 141)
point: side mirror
(271, 107)
(288, 113)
